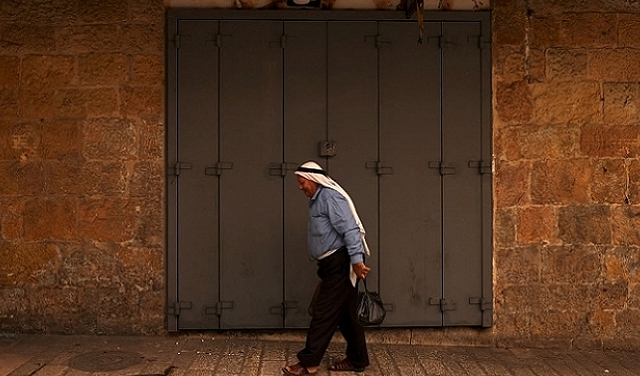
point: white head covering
(314, 172)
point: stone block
(47, 71)
(514, 102)
(518, 265)
(510, 326)
(536, 224)
(608, 181)
(103, 11)
(504, 230)
(509, 28)
(147, 11)
(628, 30)
(634, 182)
(69, 104)
(25, 141)
(563, 6)
(563, 64)
(91, 178)
(614, 64)
(621, 264)
(102, 102)
(512, 184)
(35, 104)
(634, 296)
(17, 179)
(539, 142)
(609, 296)
(110, 138)
(628, 321)
(566, 102)
(152, 139)
(147, 180)
(39, 12)
(508, 64)
(28, 38)
(610, 141)
(10, 219)
(589, 30)
(103, 69)
(90, 38)
(621, 103)
(544, 32)
(9, 71)
(142, 101)
(6, 142)
(82, 103)
(585, 224)
(107, 219)
(601, 323)
(626, 225)
(50, 218)
(61, 140)
(142, 39)
(147, 70)
(568, 264)
(145, 267)
(555, 325)
(522, 298)
(22, 261)
(8, 102)
(560, 181)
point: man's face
(307, 186)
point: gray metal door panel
(410, 194)
(305, 119)
(197, 148)
(462, 199)
(353, 122)
(250, 197)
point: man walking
(336, 242)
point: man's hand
(361, 270)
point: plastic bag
(370, 310)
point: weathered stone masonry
(82, 244)
(81, 166)
(567, 144)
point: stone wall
(82, 244)
(567, 183)
(81, 166)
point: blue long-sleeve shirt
(332, 225)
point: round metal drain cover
(105, 361)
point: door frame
(174, 15)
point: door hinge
(217, 169)
(283, 308)
(282, 169)
(445, 305)
(485, 305)
(223, 305)
(179, 166)
(378, 41)
(443, 168)
(480, 40)
(482, 166)
(442, 41)
(177, 307)
(380, 167)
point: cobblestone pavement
(209, 354)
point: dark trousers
(335, 306)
